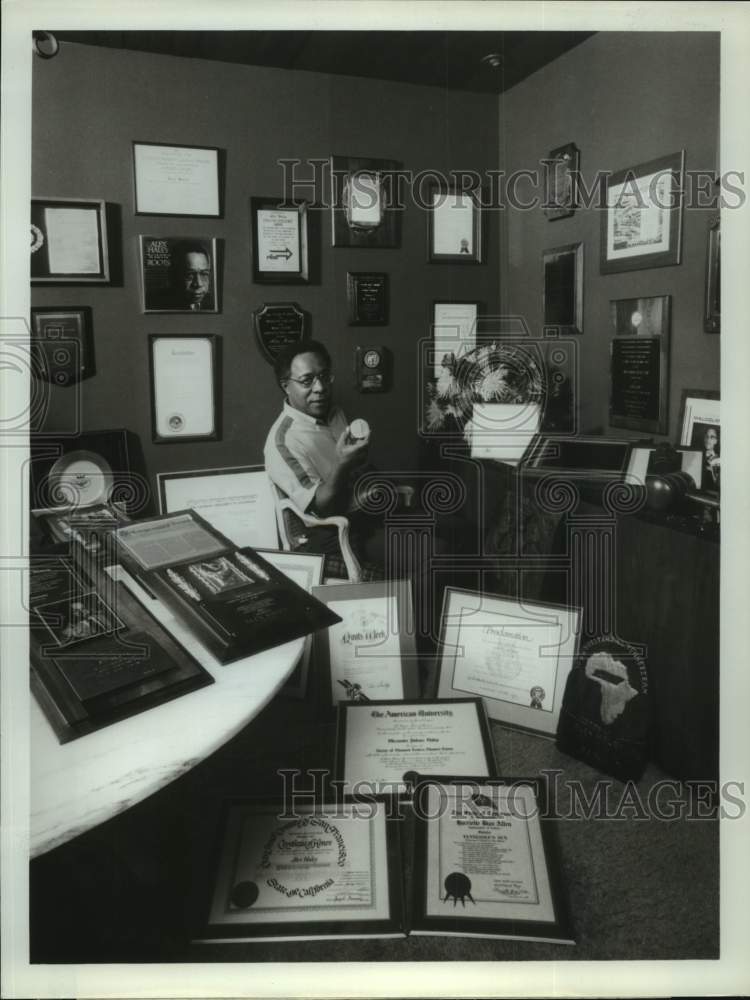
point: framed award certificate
(379, 744)
(306, 570)
(370, 654)
(323, 871)
(237, 501)
(516, 655)
(488, 846)
(279, 235)
(185, 388)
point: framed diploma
(178, 274)
(454, 325)
(488, 845)
(454, 226)
(370, 654)
(185, 388)
(176, 180)
(324, 871)
(306, 570)
(236, 501)
(380, 744)
(280, 246)
(642, 222)
(515, 654)
(69, 241)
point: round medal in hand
(358, 430)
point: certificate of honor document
(516, 655)
(370, 653)
(321, 872)
(379, 742)
(483, 863)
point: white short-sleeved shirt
(300, 452)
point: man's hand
(352, 451)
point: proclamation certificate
(516, 655)
(378, 743)
(73, 240)
(483, 864)
(282, 877)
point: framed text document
(370, 654)
(236, 501)
(306, 570)
(514, 654)
(379, 743)
(488, 846)
(184, 388)
(176, 180)
(322, 872)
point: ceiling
(446, 59)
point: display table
(76, 786)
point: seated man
(309, 453)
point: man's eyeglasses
(307, 381)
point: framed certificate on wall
(176, 180)
(185, 388)
(514, 654)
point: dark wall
(623, 99)
(89, 104)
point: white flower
(468, 431)
(446, 386)
(494, 385)
(433, 416)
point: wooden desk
(83, 783)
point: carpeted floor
(130, 891)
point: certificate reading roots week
(516, 655)
(379, 742)
(303, 876)
(482, 864)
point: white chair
(291, 522)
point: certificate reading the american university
(301, 876)
(379, 742)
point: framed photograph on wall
(362, 212)
(514, 654)
(280, 245)
(561, 181)
(176, 180)
(185, 387)
(179, 274)
(454, 226)
(700, 423)
(562, 269)
(641, 225)
(69, 241)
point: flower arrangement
(490, 373)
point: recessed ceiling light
(493, 59)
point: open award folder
(483, 866)
(233, 600)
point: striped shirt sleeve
(287, 466)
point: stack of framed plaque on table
(233, 600)
(97, 656)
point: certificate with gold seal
(316, 871)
